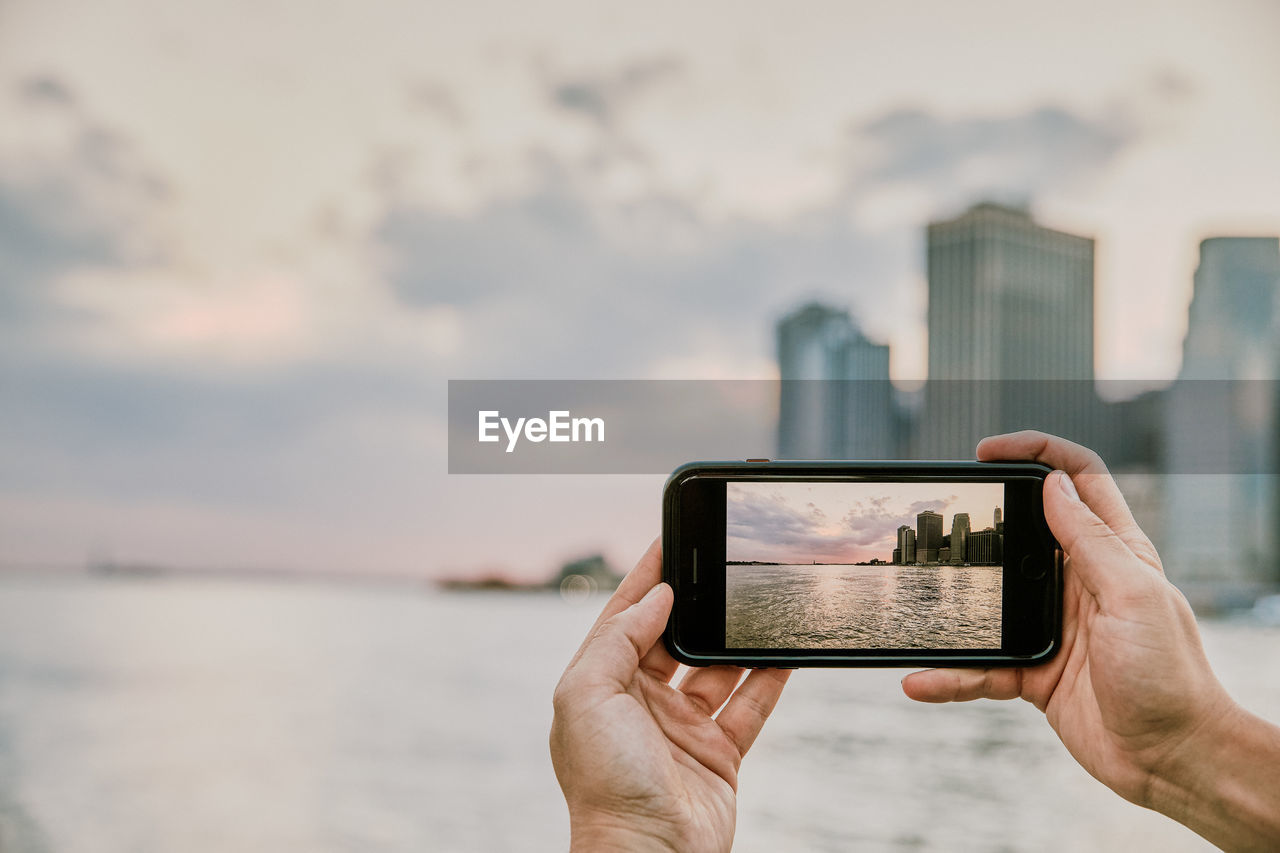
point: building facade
(1010, 330)
(928, 536)
(906, 549)
(959, 536)
(836, 400)
(986, 547)
(1222, 438)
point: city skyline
(1010, 305)
(839, 522)
(994, 268)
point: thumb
(1100, 557)
(617, 646)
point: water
(165, 715)
(862, 607)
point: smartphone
(790, 564)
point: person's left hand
(644, 765)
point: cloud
(436, 99)
(46, 89)
(41, 235)
(604, 96)
(761, 524)
(953, 161)
(557, 280)
(551, 285)
(918, 507)
(462, 261)
(85, 202)
(765, 524)
(770, 523)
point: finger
(963, 685)
(1086, 468)
(750, 705)
(659, 663)
(637, 583)
(614, 651)
(644, 576)
(1097, 555)
(709, 686)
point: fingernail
(1068, 487)
(650, 594)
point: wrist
(1223, 781)
(613, 833)
(1181, 773)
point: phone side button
(757, 460)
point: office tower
(1221, 505)
(997, 518)
(928, 536)
(1231, 322)
(1009, 300)
(986, 547)
(897, 556)
(959, 536)
(869, 414)
(906, 545)
(809, 341)
(836, 401)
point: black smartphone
(789, 564)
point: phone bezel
(1031, 591)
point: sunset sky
(244, 245)
(842, 522)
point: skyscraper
(997, 519)
(1221, 520)
(928, 536)
(906, 549)
(985, 547)
(836, 400)
(1008, 300)
(959, 536)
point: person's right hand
(1130, 693)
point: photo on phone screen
(864, 565)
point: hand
(1131, 693)
(644, 765)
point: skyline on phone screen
(806, 522)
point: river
(161, 715)
(863, 607)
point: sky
(842, 522)
(243, 246)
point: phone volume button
(757, 460)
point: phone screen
(813, 565)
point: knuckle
(988, 682)
(562, 696)
(612, 625)
(1097, 527)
